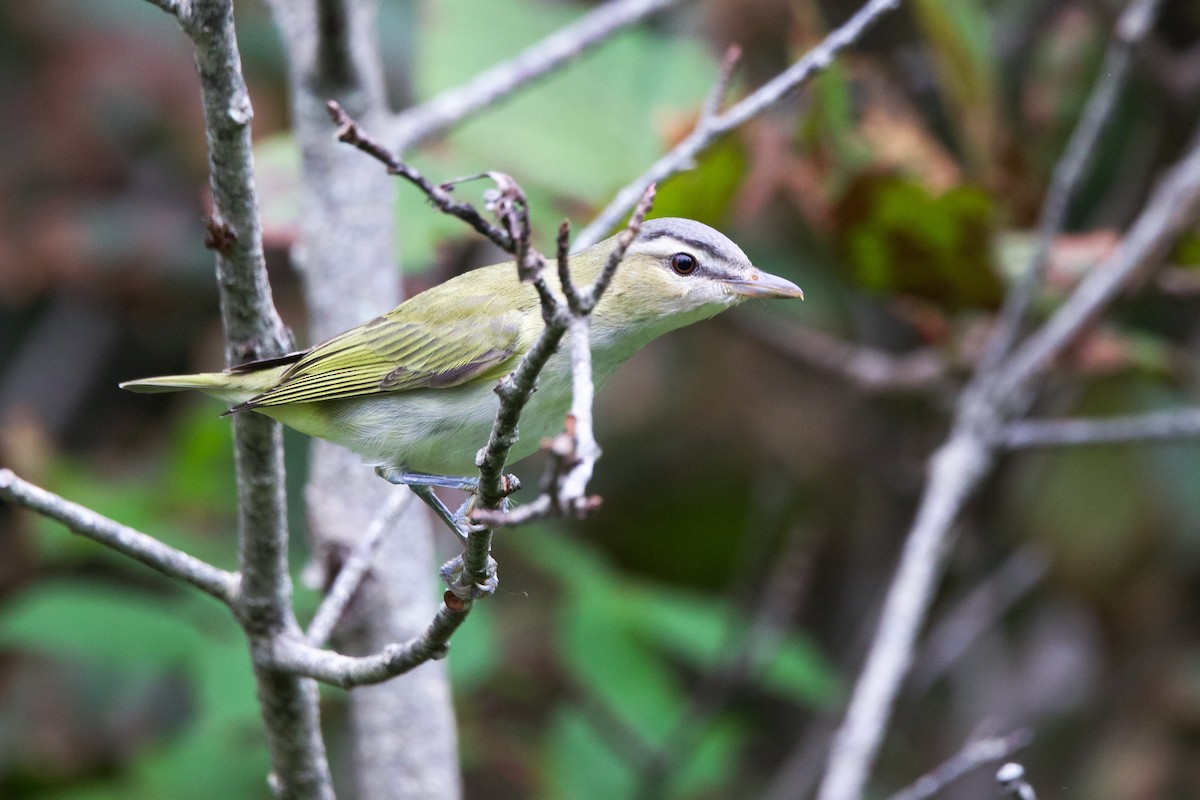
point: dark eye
(684, 263)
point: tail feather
(232, 387)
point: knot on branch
(220, 237)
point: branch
(1156, 426)
(350, 133)
(416, 124)
(296, 656)
(573, 454)
(354, 569)
(973, 755)
(710, 128)
(994, 397)
(135, 544)
(253, 330)
(866, 368)
(1132, 27)
(956, 470)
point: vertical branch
(346, 255)
(253, 330)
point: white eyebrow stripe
(666, 245)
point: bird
(411, 391)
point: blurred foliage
(620, 658)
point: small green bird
(411, 391)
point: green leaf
(106, 623)
(897, 238)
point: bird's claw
(454, 574)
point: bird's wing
(394, 353)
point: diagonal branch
(416, 124)
(711, 128)
(135, 544)
(354, 569)
(1156, 426)
(990, 401)
(1130, 30)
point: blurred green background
(696, 636)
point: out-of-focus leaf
(960, 35)
(581, 132)
(897, 238)
(698, 628)
(582, 764)
(475, 653)
(82, 620)
(602, 654)
(704, 193)
(201, 471)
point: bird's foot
(454, 573)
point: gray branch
(866, 368)
(1156, 426)
(712, 127)
(1133, 26)
(354, 569)
(416, 124)
(972, 756)
(135, 544)
(253, 330)
(295, 656)
(993, 398)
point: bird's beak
(764, 284)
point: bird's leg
(422, 486)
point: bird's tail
(236, 385)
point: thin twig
(980, 611)
(1156, 426)
(866, 368)
(992, 399)
(973, 755)
(351, 133)
(573, 455)
(1172, 208)
(355, 567)
(709, 129)
(1133, 25)
(416, 124)
(135, 544)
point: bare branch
(973, 755)
(1156, 426)
(980, 611)
(956, 470)
(1173, 207)
(295, 656)
(1130, 29)
(329, 613)
(709, 129)
(573, 454)
(433, 117)
(135, 544)
(993, 397)
(868, 369)
(352, 134)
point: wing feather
(396, 353)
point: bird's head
(678, 271)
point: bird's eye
(684, 263)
